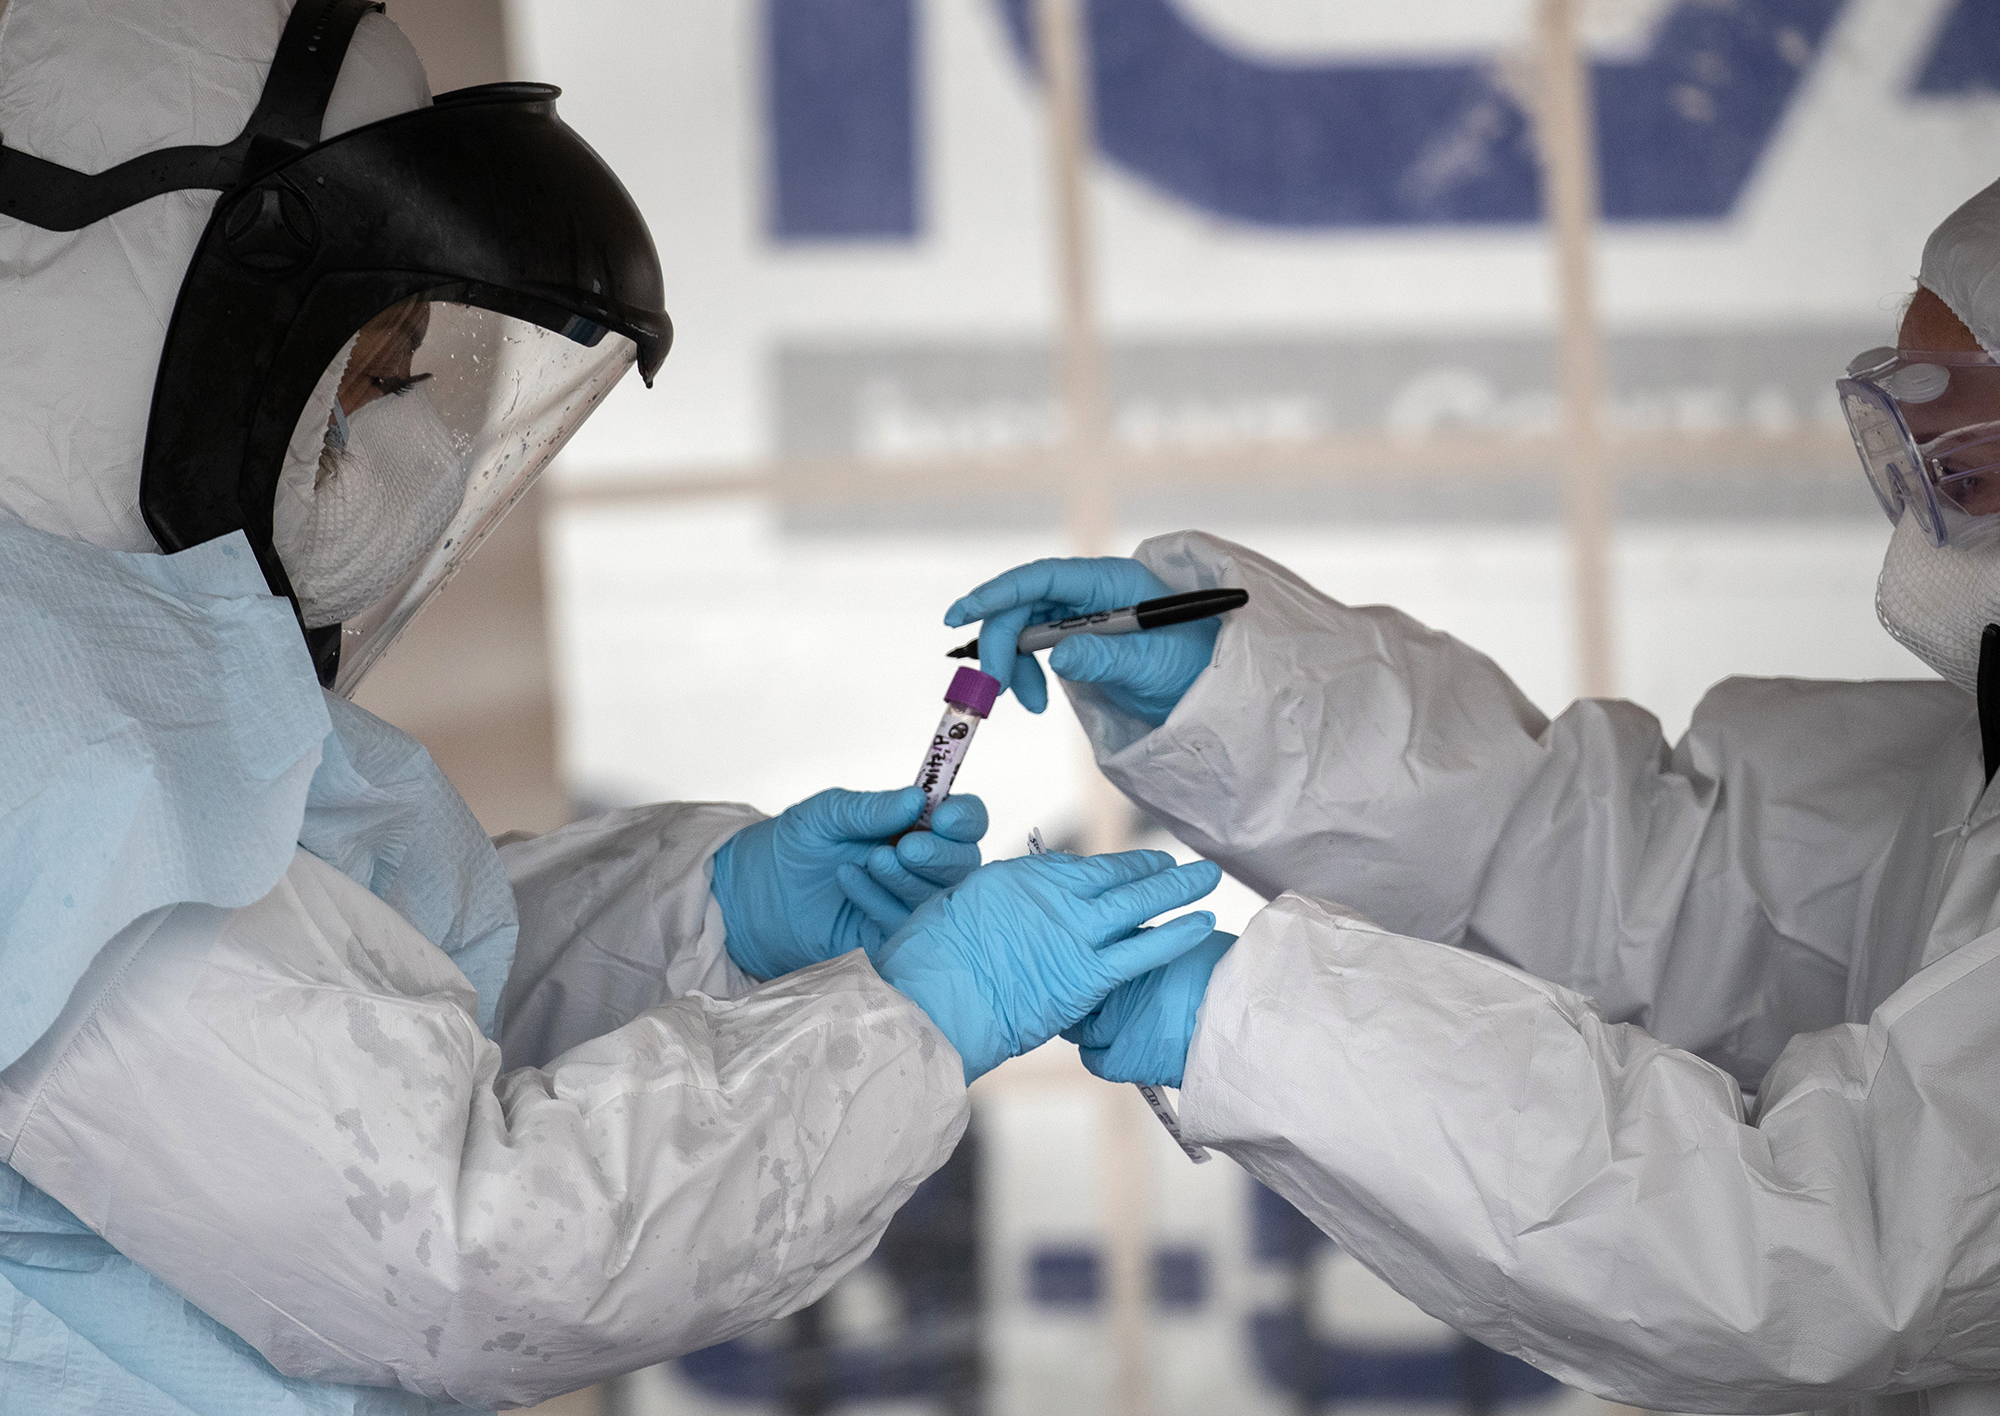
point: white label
(942, 761)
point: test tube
(966, 704)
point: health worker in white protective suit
(311, 1101)
(1673, 1069)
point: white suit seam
(1953, 968)
(61, 1065)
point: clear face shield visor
(1927, 427)
(425, 429)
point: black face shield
(383, 338)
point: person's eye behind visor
(1927, 428)
(422, 432)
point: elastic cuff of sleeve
(735, 938)
(961, 1013)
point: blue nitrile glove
(823, 878)
(1024, 948)
(1143, 674)
(1142, 1031)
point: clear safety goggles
(1927, 426)
(430, 425)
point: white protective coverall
(1508, 1069)
(259, 1067)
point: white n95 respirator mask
(355, 515)
(1937, 600)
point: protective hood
(379, 338)
(1937, 600)
(1962, 266)
(90, 84)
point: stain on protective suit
(371, 1204)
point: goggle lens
(1899, 473)
(1879, 439)
(1970, 460)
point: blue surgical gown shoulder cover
(163, 725)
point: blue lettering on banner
(1316, 145)
(1965, 60)
(1180, 1277)
(842, 114)
(1065, 1276)
(1679, 128)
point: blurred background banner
(1521, 315)
(1268, 138)
(842, 175)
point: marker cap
(977, 691)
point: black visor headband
(286, 121)
(486, 197)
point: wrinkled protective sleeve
(616, 918)
(288, 1112)
(1577, 1193)
(1711, 892)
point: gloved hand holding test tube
(966, 705)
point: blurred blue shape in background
(1316, 145)
(842, 119)
(1965, 60)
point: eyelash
(395, 386)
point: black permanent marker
(1147, 614)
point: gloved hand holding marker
(1129, 619)
(1113, 623)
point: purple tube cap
(975, 690)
